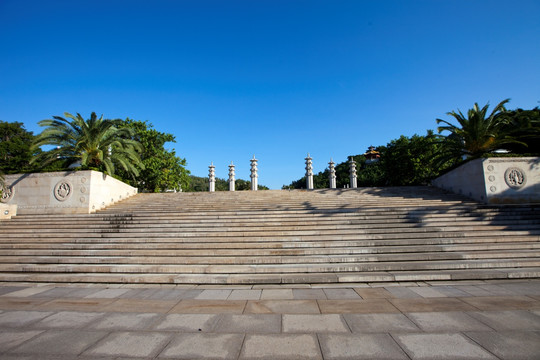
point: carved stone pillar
(352, 173)
(231, 177)
(332, 176)
(309, 173)
(212, 178)
(254, 176)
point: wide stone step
(175, 249)
(278, 237)
(146, 259)
(276, 268)
(306, 278)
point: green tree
(477, 133)
(524, 126)
(163, 169)
(412, 160)
(95, 143)
(15, 148)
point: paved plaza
(458, 320)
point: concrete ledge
(67, 192)
(7, 211)
(495, 180)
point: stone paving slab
(402, 292)
(309, 294)
(243, 294)
(10, 289)
(441, 346)
(374, 293)
(27, 292)
(14, 337)
(20, 303)
(509, 345)
(249, 323)
(451, 291)
(125, 321)
(68, 320)
(428, 292)
(380, 323)
(214, 295)
(508, 320)
(356, 306)
(143, 344)
(209, 306)
(107, 293)
(59, 342)
(203, 346)
(314, 323)
(22, 318)
(365, 346)
(75, 304)
(341, 294)
(277, 294)
(282, 307)
(276, 347)
(430, 305)
(172, 294)
(140, 305)
(65, 292)
(502, 302)
(188, 322)
(447, 322)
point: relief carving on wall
(515, 178)
(62, 190)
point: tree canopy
(403, 161)
(15, 148)
(95, 143)
(163, 170)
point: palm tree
(93, 143)
(477, 134)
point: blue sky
(277, 79)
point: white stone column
(309, 173)
(254, 176)
(352, 173)
(332, 176)
(231, 177)
(212, 178)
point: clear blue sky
(273, 78)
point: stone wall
(7, 211)
(71, 192)
(495, 180)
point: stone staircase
(277, 237)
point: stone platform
(422, 320)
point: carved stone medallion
(7, 194)
(62, 190)
(515, 178)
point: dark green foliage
(479, 133)
(524, 126)
(162, 168)
(404, 161)
(95, 143)
(412, 161)
(15, 148)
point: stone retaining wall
(66, 192)
(495, 180)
